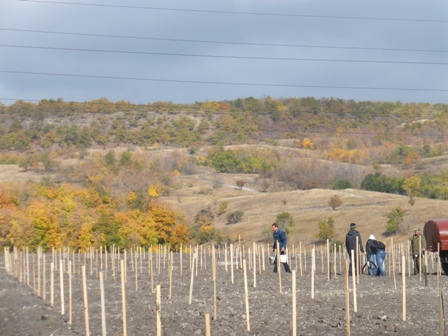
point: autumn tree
(203, 230)
(179, 236)
(164, 221)
(412, 187)
(240, 183)
(335, 202)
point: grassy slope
(368, 209)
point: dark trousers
(417, 262)
(285, 265)
(350, 265)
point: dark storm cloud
(330, 23)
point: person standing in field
(371, 250)
(418, 245)
(350, 245)
(280, 237)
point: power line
(220, 83)
(221, 42)
(224, 56)
(239, 13)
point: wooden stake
(246, 295)
(403, 258)
(123, 296)
(170, 273)
(192, 277)
(225, 256)
(357, 268)
(103, 305)
(38, 274)
(207, 324)
(262, 255)
(70, 295)
(328, 260)
(231, 263)
(354, 276)
(347, 299)
(313, 270)
(86, 305)
(151, 272)
(279, 271)
(180, 257)
(441, 315)
(44, 278)
(27, 256)
(135, 270)
(255, 264)
(52, 285)
(61, 277)
(294, 304)
(215, 309)
(158, 312)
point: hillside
(207, 189)
(368, 209)
(287, 155)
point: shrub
(222, 207)
(235, 217)
(341, 184)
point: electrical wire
(221, 83)
(221, 42)
(238, 13)
(224, 56)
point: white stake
(86, 304)
(103, 305)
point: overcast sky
(145, 51)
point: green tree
(285, 221)
(126, 158)
(394, 220)
(326, 229)
(341, 184)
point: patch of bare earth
(378, 309)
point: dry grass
(368, 209)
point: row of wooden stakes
(102, 262)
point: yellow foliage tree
(164, 221)
(136, 229)
(152, 191)
(85, 238)
(46, 224)
(180, 235)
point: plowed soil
(379, 303)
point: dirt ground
(379, 302)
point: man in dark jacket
(350, 244)
(280, 237)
